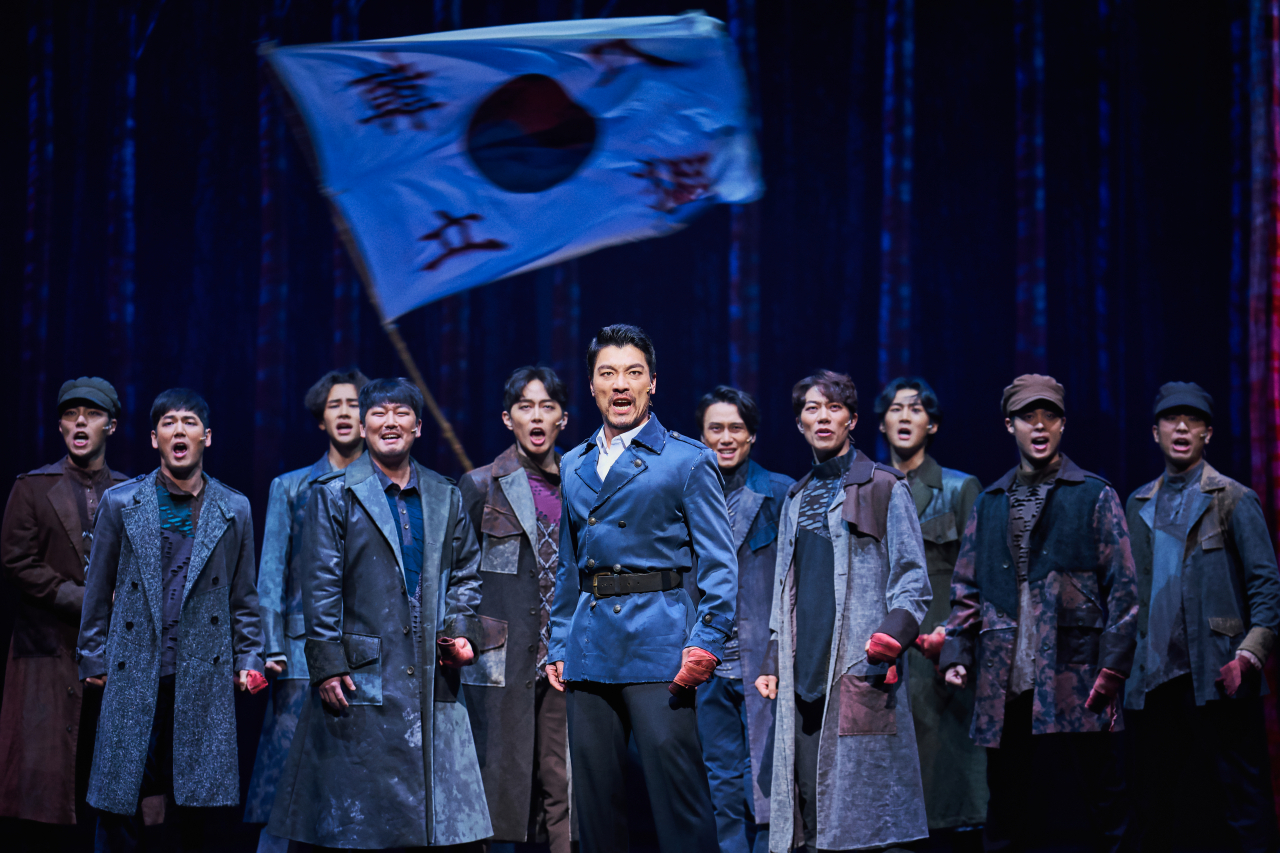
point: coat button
(638, 463)
(71, 691)
(406, 630)
(617, 608)
(217, 658)
(215, 581)
(591, 563)
(617, 569)
(591, 520)
(706, 620)
(1006, 565)
(133, 585)
(533, 647)
(128, 626)
(533, 611)
(120, 665)
(68, 728)
(532, 574)
(528, 684)
(622, 524)
(409, 670)
(213, 620)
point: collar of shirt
(387, 482)
(83, 477)
(1190, 477)
(176, 490)
(611, 450)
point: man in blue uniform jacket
(639, 503)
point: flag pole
(401, 348)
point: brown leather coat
(43, 553)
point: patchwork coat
(869, 789)
(398, 767)
(500, 686)
(121, 641)
(1084, 604)
(1231, 590)
(44, 552)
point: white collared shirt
(611, 450)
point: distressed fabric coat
(398, 767)
(44, 554)
(280, 605)
(660, 504)
(755, 536)
(220, 636)
(1231, 588)
(1085, 614)
(500, 686)
(869, 789)
(953, 768)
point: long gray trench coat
(398, 767)
(220, 637)
(869, 789)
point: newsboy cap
(93, 390)
(1030, 387)
(1183, 395)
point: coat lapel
(515, 486)
(368, 492)
(586, 466)
(209, 529)
(62, 498)
(749, 503)
(142, 526)
(435, 499)
(629, 465)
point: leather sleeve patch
(868, 706)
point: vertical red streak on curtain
(38, 236)
(895, 356)
(272, 287)
(122, 238)
(1030, 355)
(744, 228)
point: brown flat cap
(89, 389)
(1030, 387)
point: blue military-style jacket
(660, 504)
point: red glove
(1105, 689)
(930, 645)
(455, 652)
(697, 668)
(882, 648)
(1233, 675)
(257, 681)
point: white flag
(459, 158)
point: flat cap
(93, 390)
(1183, 395)
(1030, 387)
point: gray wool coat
(869, 789)
(398, 767)
(220, 637)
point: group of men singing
(854, 660)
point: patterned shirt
(735, 480)
(1027, 494)
(179, 516)
(406, 510)
(546, 502)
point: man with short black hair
(952, 768)
(639, 503)
(1209, 611)
(735, 724)
(170, 623)
(334, 402)
(1046, 577)
(519, 720)
(850, 588)
(44, 546)
(383, 755)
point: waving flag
(455, 159)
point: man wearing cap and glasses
(1209, 610)
(1044, 614)
(44, 543)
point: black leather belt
(607, 584)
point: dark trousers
(123, 833)
(550, 765)
(808, 736)
(1202, 775)
(601, 719)
(722, 726)
(1032, 778)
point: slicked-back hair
(317, 398)
(179, 400)
(747, 408)
(398, 390)
(520, 378)
(622, 335)
(834, 386)
(928, 399)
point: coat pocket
(364, 656)
(295, 627)
(501, 554)
(868, 706)
(490, 668)
(940, 529)
(1079, 634)
(1227, 626)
